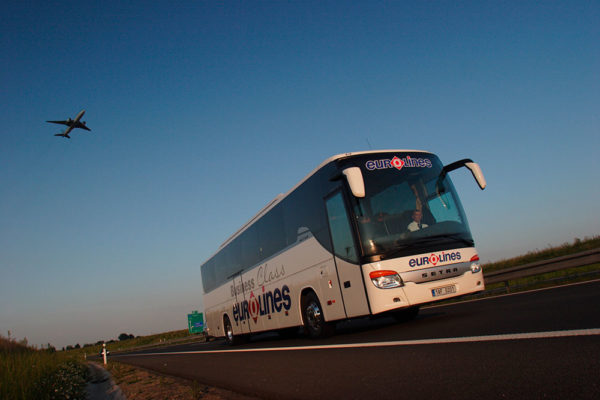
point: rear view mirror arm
(468, 163)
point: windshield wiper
(455, 236)
(398, 248)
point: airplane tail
(63, 135)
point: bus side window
(271, 233)
(341, 231)
(250, 251)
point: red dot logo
(253, 307)
(397, 163)
(434, 259)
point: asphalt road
(542, 344)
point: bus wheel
(230, 338)
(312, 316)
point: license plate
(442, 291)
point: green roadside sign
(196, 322)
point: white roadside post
(104, 352)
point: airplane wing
(76, 123)
(60, 122)
(82, 126)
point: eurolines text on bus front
(434, 259)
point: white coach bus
(365, 233)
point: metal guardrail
(541, 267)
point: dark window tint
(341, 231)
(271, 233)
(297, 216)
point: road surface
(540, 344)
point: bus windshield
(410, 207)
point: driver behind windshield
(416, 223)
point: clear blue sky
(202, 112)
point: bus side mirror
(473, 167)
(355, 181)
(477, 174)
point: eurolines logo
(266, 303)
(398, 163)
(434, 259)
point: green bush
(27, 373)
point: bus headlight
(386, 279)
(475, 266)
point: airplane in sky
(72, 124)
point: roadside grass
(144, 384)
(137, 384)
(577, 246)
(569, 275)
(27, 373)
(149, 340)
(159, 339)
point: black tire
(230, 338)
(313, 319)
(406, 314)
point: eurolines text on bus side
(264, 304)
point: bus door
(240, 317)
(346, 256)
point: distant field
(577, 246)
(159, 339)
(569, 275)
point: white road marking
(468, 339)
